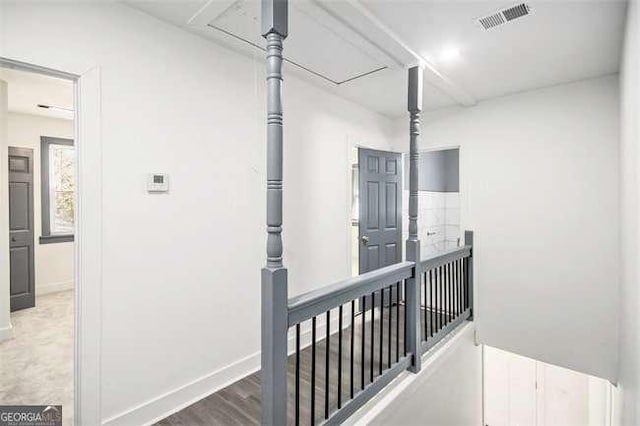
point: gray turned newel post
(414, 343)
(468, 241)
(274, 274)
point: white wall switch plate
(158, 182)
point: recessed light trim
(449, 54)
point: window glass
(355, 195)
(61, 188)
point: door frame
(88, 235)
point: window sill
(52, 239)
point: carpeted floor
(36, 364)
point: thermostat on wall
(158, 182)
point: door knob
(365, 240)
(13, 239)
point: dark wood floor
(239, 403)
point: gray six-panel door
(380, 222)
(21, 257)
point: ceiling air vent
(505, 15)
(492, 21)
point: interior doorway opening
(439, 203)
(38, 314)
(439, 200)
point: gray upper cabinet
(439, 171)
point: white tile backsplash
(452, 216)
(452, 200)
(438, 221)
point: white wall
(5, 319)
(53, 262)
(181, 272)
(448, 390)
(630, 229)
(539, 185)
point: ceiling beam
(210, 11)
(361, 19)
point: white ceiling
(27, 90)
(561, 41)
(343, 56)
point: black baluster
(353, 328)
(426, 304)
(373, 339)
(431, 315)
(440, 319)
(362, 341)
(340, 356)
(453, 290)
(380, 362)
(389, 334)
(404, 327)
(461, 278)
(313, 371)
(460, 292)
(327, 377)
(397, 321)
(465, 264)
(297, 374)
(446, 296)
(438, 293)
(455, 287)
(449, 304)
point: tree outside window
(58, 189)
(61, 188)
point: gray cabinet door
(380, 222)
(21, 258)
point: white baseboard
(173, 401)
(6, 333)
(48, 288)
(164, 405)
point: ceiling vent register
(505, 15)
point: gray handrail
(312, 303)
(444, 258)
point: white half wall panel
(446, 392)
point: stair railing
(327, 352)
